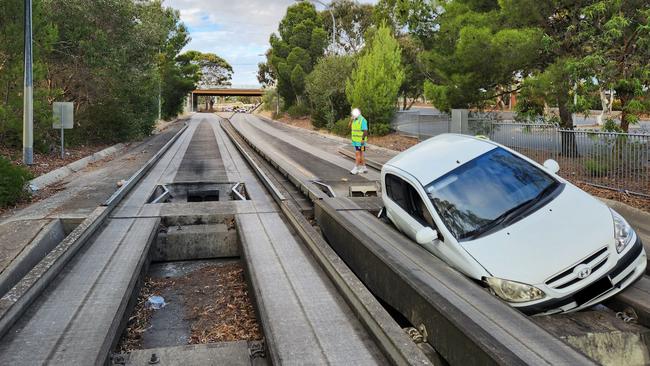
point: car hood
(566, 230)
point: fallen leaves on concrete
(138, 321)
(216, 301)
(218, 305)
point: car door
(406, 207)
(409, 212)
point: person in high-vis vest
(359, 128)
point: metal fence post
(459, 121)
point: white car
(534, 239)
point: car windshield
(483, 193)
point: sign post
(63, 119)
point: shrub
(270, 100)
(341, 127)
(596, 168)
(379, 129)
(326, 89)
(13, 179)
(298, 110)
(611, 126)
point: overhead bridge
(229, 91)
(235, 92)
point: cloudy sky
(237, 30)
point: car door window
(407, 197)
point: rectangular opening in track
(193, 293)
(198, 192)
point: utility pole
(159, 101)
(28, 93)
(159, 89)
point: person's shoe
(363, 169)
(354, 170)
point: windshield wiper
(506, 216)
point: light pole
(159, 88)
(28, 93)
(329, 8)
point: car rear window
(482, 190)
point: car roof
(438, 155)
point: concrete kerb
(63, 172)
(16, 301)
(396, 345)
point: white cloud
(237, 30)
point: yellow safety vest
(357, 132)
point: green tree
(301, 41)
(178, 75)
(213, 70)
(473, 55)
(298, 81)
(374, 84)
(325, 87)
(111, 58)
(415, 17)
(352, 21)
(617, 52)
(265, 74)
(412, 87)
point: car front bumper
(628, 269)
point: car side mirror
(425, 235)
(552, 166)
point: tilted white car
(534, 239)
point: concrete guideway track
(309, 161)
(77, 318)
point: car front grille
(567, 277)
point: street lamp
(28, 93)
(329, 8)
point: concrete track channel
(201, 202)
(460, 320)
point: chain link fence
(421, 124)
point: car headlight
(512, 291)
(623, 232)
